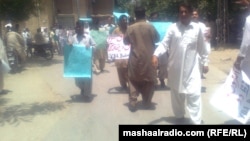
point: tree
(17, 10)
(124, 6)
(168, 9)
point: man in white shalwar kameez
(243, 59)
(184, 43)
(206, 33)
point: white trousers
(190, 101)
(1, 78)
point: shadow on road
(172, 120)
(140, 106)
(235, 122)
(159, 88)
(41, 62)
(101, 72)
(3, 101)
(5, 92)
(81, 99)
(118, 90)
(16, 114)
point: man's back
(142, 36)
(14, 39)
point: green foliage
(168, 8)
(17, 10)
(122, 6)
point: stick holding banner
(77, 61)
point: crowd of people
(181, 57)
(186, 49)
(187, 45)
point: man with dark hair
(142, 37)
(122, 63)
(184, 43)
(206, 32)
(80, 38)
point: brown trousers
(146, 88)
(99, 58)
(123, 76)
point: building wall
(103, 7)
(65, 11)
(43, 19)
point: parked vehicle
(13, 59)
(43, 50)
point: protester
(100, 38)
(206, 31)
(40, 41)
(84, 84)
(27, 37)
(39, 38)
(56, 37)
(4, 65)
(109, 26)
(161, 70)
(15, 41)
(45, 33)
(142, 37)
(162, 73)
(52, 38)
(122, 64)
(243, 59)
(62, 39)
(184, 43)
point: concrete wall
(52, 11)
(103, 7)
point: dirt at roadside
(224, 58)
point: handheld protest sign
(77, 61)
(161, 28)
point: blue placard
(161, 28)
(86, 19)
(77, 61)
(117, 15)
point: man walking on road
(84, 84)
(207, 35)
(122, 64)
(142, 37)
(184, 43)
(243, 59)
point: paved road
(42, 105)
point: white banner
(233, 97)
(117, 49)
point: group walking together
(185, 47)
